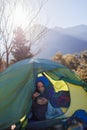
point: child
(40, 101)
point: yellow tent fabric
(78, 99)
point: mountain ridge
(65, 40)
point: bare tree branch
(7, 17)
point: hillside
(69, 40)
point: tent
(17, 84)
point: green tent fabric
(17, 84)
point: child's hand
(36, 94)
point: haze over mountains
(64, 40)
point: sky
(64, 13)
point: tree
(16, 13)
(82, 72)
(83, 56)
(6, 28)
(82, 68)
(71, 61)
(2, 65)
(59, 58)
(21, 49)
(76, 62)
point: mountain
(79, 31)
(65, 40)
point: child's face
(40, 87)
(42, 101)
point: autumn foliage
(75, 62)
